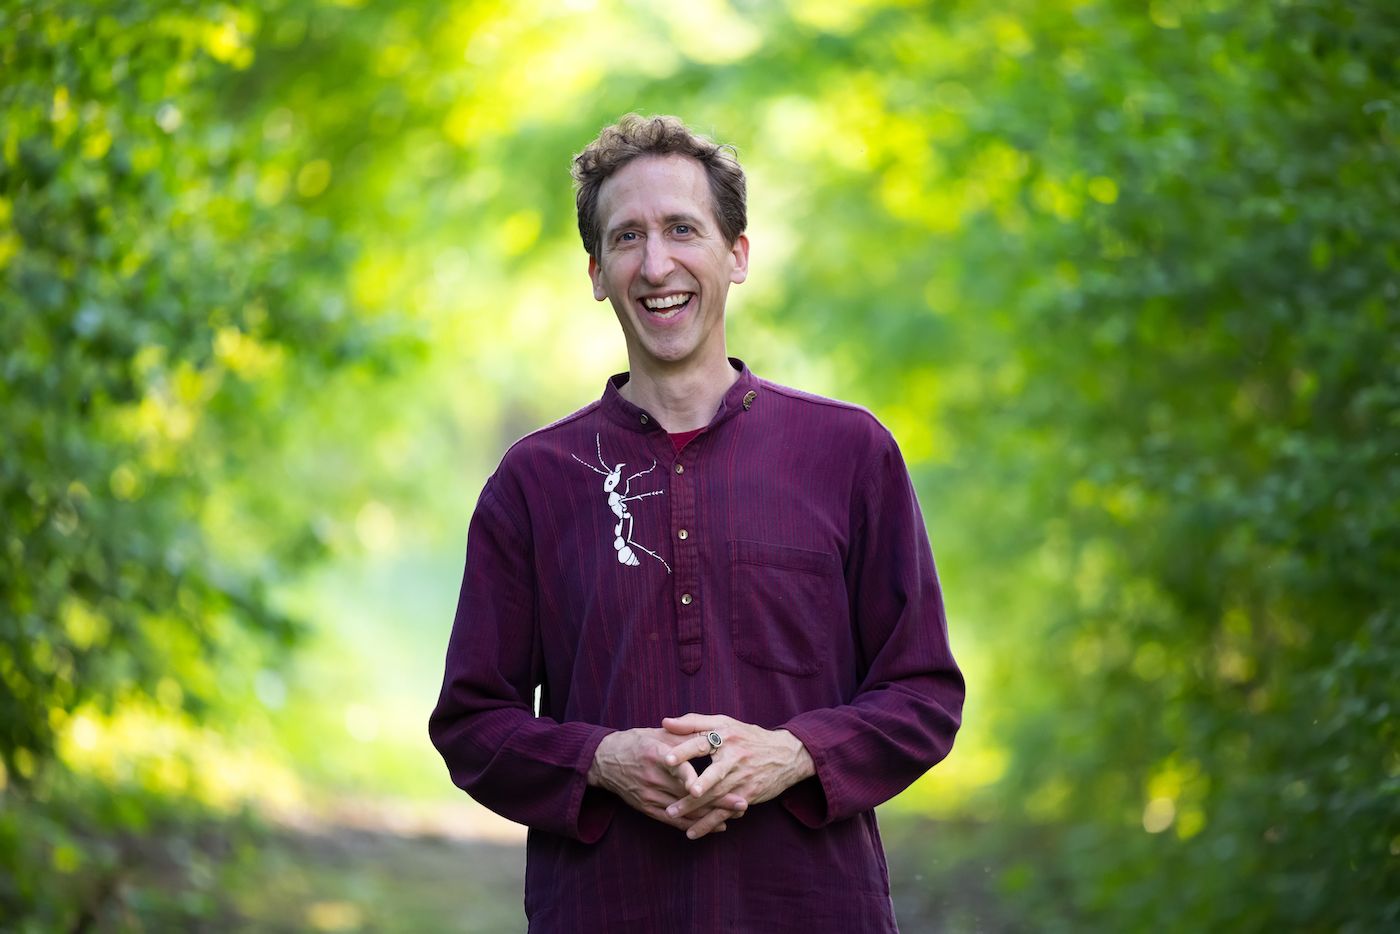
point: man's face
(662, 260)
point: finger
(693, 748)
(661, 780)
(686, 724)
(686, 805)
(689, 805)
(688, 822)
(707, 824)
(696, 816)
(733, 807)
(685, 774)
(684, 822)
(719, 797)
(696, 723)
(719, 769)
(659, 798)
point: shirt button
(644, 419)
(685, 598)
(680, 469)
(683, 535)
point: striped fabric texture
(776, 570)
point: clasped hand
(651, 770)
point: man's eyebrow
(624, 224)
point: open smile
(666, 307)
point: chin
(668, 348)
(671, 354)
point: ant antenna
(588, 465)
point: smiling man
(724, 591)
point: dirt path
(363, 881)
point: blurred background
(280, 281)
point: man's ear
(596, 275)
(740, 251)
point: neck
(683, 397)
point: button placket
(689, 607)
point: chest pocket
(785, 604)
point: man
(724, 590)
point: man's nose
(656, 260)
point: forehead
(655, 187)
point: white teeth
(669, 301)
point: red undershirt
(681, 438)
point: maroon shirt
(681, 438)
(776, 570)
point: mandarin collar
(626, 415)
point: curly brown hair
(634, 136)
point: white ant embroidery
(617, 502)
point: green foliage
(1220, 404)
(158, 310)
(155, 316)
(1209, 418)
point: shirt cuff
(807, 800)
(593, 807)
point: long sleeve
(529, 769)
(775, 570)
(908, 706)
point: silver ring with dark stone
(715, 741)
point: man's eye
(682, 228)
(627, 236)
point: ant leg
(653, 554)
(643, 547)
(641, 472)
